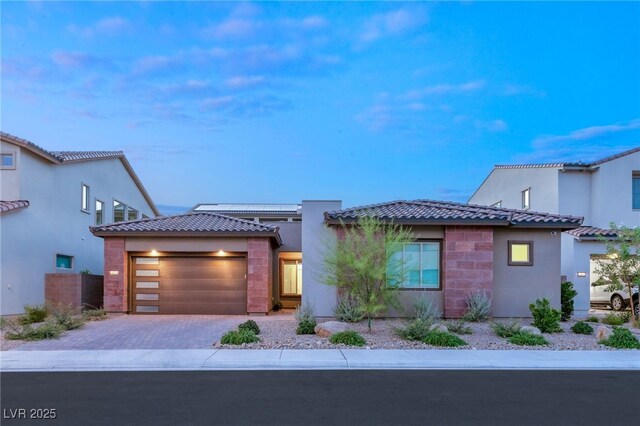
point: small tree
(567, 293)
(365, 264)
(620, 269)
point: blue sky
(364, 102)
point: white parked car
(618, 300)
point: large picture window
(291, 277)
(418, 264)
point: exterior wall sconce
(113, 272)
(582, 274)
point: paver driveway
(145, 332)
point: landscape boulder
(531, 329)
(603, 332)
(326, 329)
(439, 327)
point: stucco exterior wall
(506, 185)
(316, 237)
(611, 193)
(515, 287)
(54, 223)
(574, 188)
(10, 182)
(582, 251)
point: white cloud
(586, 133)
(241, 82)
(393, 23)
(444, 89)
(493, 126)
(111, 26)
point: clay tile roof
(591, 233)
(7, 206)
(445, 212)
(190, 223)
(67, 156)
(578, 164)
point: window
(99, 212)
(418, 265)
(635, 190)
(291, 277)
(63, 261)
(8, 160)
(118, 211)
(520, 253)
(84, 203)
(497, 204)
(132, 214)
(144, 216)
(526, 199)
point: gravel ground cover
(281, 335)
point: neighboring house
(160, 265)
(287, 258)
(49, 200)
(602, 192)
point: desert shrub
(348, 309)
(443, 339)
(459, 327)
(582, 327)
(48, 330)
(63, 316)
(416, 329)
(592, 319)
(94, 315)
(250, 325)
(613, 318)
(348, 337)
(525, 338)
(506, 329)
(621, 338)
(567, 293)
(478, 306)
(34, 314)
(238, 337)
(306, 327)
(424, 309)
(545, 318)
(305, 315)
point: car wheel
(617, 303)
(636, 308)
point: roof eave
(543, 225)
(471, 222)
(199, 234)
(139, 184)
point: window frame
(298, 262)
(113, 208)
(85, 198)
(527, 192)
(13, 155)
(128, 210)
(73, 261)
(635, 174)
(102, 211)
(440, 266)
(511, 243)
(497, 204)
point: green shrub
(613, 318)
(545, 318)
(48, 330)
(34, 314)
(621, 338)
(424, 309)
(238, 337)
(348, 309)
(567, 293)
(459, 327)
(94, 315)
(348, 337)
(63, 316)
(250, 325)
(582, 327)
(306, 327)
(478, 306)
(592, 319)
(525, 338)
(507, 329)
(416, 329)
(443, 339)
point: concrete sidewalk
(318, 359)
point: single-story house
(203, 262)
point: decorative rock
(326, 329)
(531, 329)
(603, 332)
(439, 327)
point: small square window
(64, 262)
(8, 160)
(520, 253)
(84, 203)
(526, 199)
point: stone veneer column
(468, 266)
(258, 276)
(115, 285)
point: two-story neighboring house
(49, 200)
(603, 191)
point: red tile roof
(7, 206)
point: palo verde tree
(620, 268)
(366, 266)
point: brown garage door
(189, 285)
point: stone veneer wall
(468, 266)
(259, 275)
(75, 290)
(115, 285)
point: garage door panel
(189, 285)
